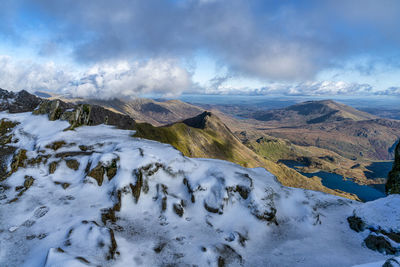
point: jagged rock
(38, 160)
(112, 169)
(178, 209)
(65, 185)
(53, 167)
(72, 164)
(18, 161)
(228, 256)
(56, 145)
(5, 153)
(356, 223)
(136, 188)
(269, 216)
(73, 154)
(28, 181)
(97, 173)
(159, 247)
(212, 209)
(18, 102)
(5, 127)
(243, 191)
(85, 148)
(53, 108)
(379, 243)
(392, 262)
(83, 114)
(393, 182)
(102, 168)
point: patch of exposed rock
(83, 114)
(393, 182)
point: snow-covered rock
(97, 196)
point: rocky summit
(97, 196)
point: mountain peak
(311, 112)
(198, 121)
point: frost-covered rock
(380, 221)
(83, 114)
(155, 207)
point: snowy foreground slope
(97, 196)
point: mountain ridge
(157, 113)
(313, 112)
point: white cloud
(310, 88)
(166, 77)
(329, 88)
(105, 80)
(124, 79)
(394, 91)
(18, 75)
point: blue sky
(130, 48)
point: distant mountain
(330, 125)
(148, 110)
(312, 112)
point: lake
(379, 169)
(335, 181)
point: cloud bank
(163, 77)
(106, 80)
(310, 88)
(133, 47)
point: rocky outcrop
(83, 114)
(393, 182)
(378, 221)
(380, 244)
(199, 121)
(17, 102)
(76, 115)
(6, 150)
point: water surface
(336, 181)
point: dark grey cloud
(282, 40)
(267, 39)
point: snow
(380, 263)
(381, 214)
(223, 205)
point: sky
(130, 48)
